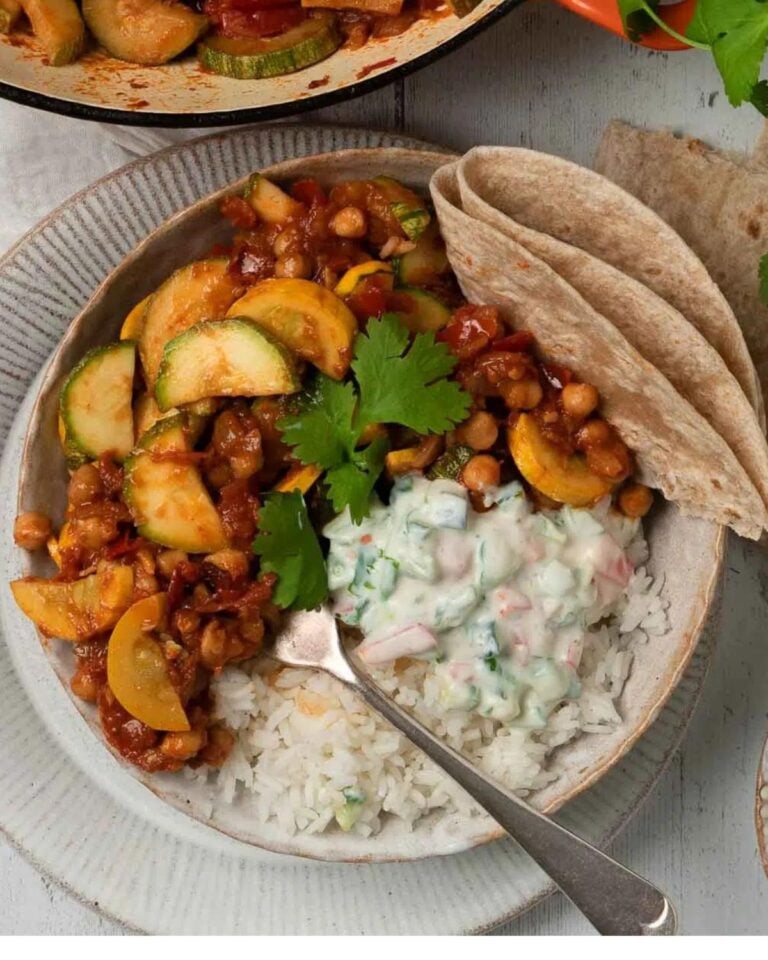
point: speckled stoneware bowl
(684, 551)
(180, 94)
(86, 819)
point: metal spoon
(615, 900)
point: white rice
(303, 738)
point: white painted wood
(544, 79)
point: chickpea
(168, 560)
(233, 562)
(31, 530)
(479, 432)
(144, 584)
(285, 241)
(480, 473)
(594, 433)
(93, 533)
(611, 462)
(219, 746)
(635, 500)
(521, 395)
(184, 745)
(213, 645)
(85, 686)
(579, 400)
(252, 631)
(293, 266)
(246, 463)
(85, 485)
(349, 223)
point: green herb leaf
(737, 32)
(322, 432)
(406, 384)
(634, 16)
(351, 484)
(398, 381)
(288, 546)
(763, 276)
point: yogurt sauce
(500, 601)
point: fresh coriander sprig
(735, 31)
(397, 381)
(288, 546)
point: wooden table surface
(541, 78)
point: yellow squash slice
(551, 471)
(80, 609)
(137, 670)
(305, 317)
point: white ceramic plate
(179, 94)
(77, 812)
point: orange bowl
(606, 14)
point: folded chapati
(676, 448)
(659, 332)
(717, 204)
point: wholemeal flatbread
(676, 449)
(718, 206)
(661, 334)
(582, 208)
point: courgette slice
(306, 317)
(271, 203)
(229, 358)
(137, 670)
(78, 609)
(58, 26)
(406, 205)
(356, 274)
(95, 402)
(253, 59)
(449, 465)
(425, 263)
(427, 313)
(134, 320)
(10, 11)
(203, 290)
(146, 414)
(150, 32)
(167, 498)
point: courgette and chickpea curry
(241, 39)
(326, 353)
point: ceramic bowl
(687, 553)
(179, 94)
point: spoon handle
(616, 901)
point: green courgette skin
(96, 404)
(168, 499)
(232, 357)
(149, 32)
(449, 465)
(10, 12)
(58, 26)
(297, 48)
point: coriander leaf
(763, 276)
(405, 384)
(351, 484)
(288, 546)
(322, 431)
(759, 98)
(737, 31)
(635, 17)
